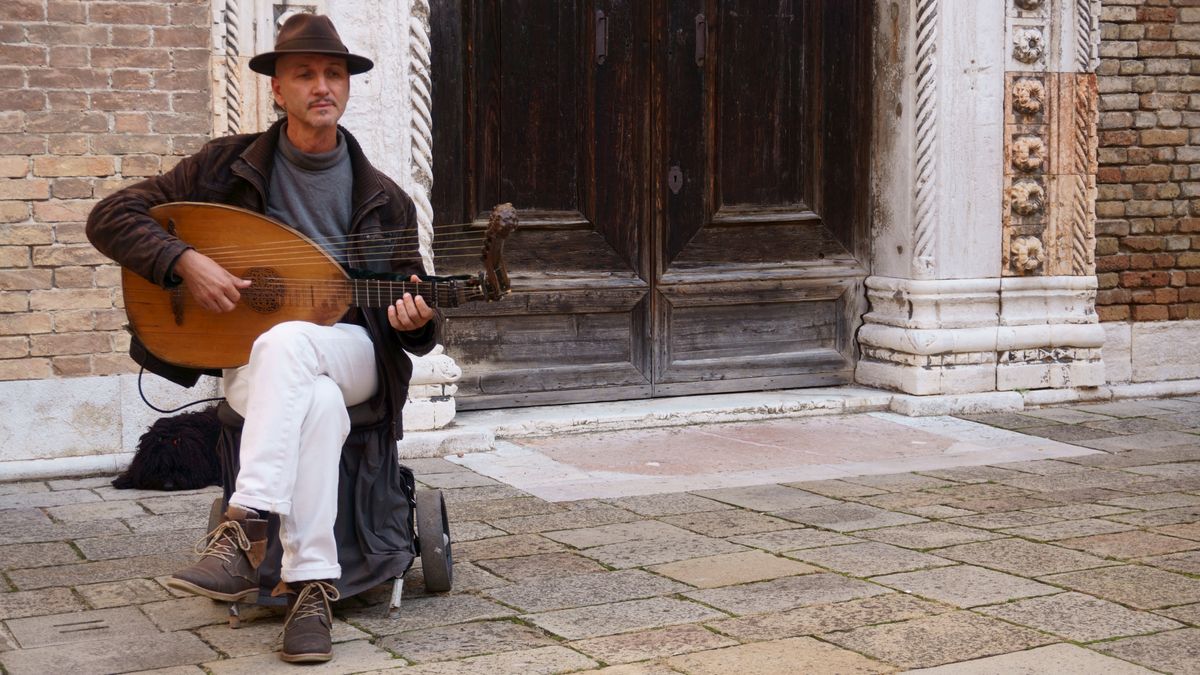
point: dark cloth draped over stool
(376, 497)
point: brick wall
(93, 96)
(1148, 209)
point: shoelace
(313, 601)
(221, 542)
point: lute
(292, 279)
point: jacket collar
(260, 156)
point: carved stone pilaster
(999, 291)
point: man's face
(312, 89)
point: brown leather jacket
(236, 170)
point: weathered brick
(128, 13)
(74, 321)
(25, 280)
(66, 11)
(1150, 313)
(13, 347)
(12, 212)
(25, 235)
(53, 256)
(68, 144)
(24, 324)
(68, 56)
(113, 364)
(13, 302)
(71, 188)
(54, 299)
(95, 165)
(63, 210)
(71, 366)
(24, 188)
(130, 100)
(24, 369)
(14, 167)
(14, 256)
(126, 144)
(74, 277)
(140, 165)
(69, 343)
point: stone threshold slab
(621, 463)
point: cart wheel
(433, 536)
(215, 514)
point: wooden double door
(691, 181)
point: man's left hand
(410, 312)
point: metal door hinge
(601, 37)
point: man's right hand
(210, 284)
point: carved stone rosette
(1050, 112)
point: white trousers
(293, 395)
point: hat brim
(264, 64)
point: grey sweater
(311, 193)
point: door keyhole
(675, 179)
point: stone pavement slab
(1187, 562)
(1175, 651)
(731, 569)
(728, 523)
(121, 593)
(1127, 545)
(1069, 529)
(767, 497)
(651, 644)
(75, 513)
(848, 517)
(1079, 617)
(1060, 659)
(351, 657)
(869, 559)
(104, 570)
(1018, 556)
(668, 504)
(505, 547)
(540, 566)
(62, 629)
(786, 593)
(540, 661)
(603, 535)
(448, 643)
(34, 603)
(1002, 520)
(937, 640)
(621, 617)
(644, 553)
(262, 636)
(426, 612)
(929, 535)
(965, 585)
(43, 554)
(1133, 585)
(791, 540)
(134, 652)
(781, 657)
(828, 618)
(543, 595)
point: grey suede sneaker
(306, 637)
(230, 556)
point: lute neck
(379, 293)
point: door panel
(562, 138)
(690, 177)
(742, 95)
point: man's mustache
(322, 100)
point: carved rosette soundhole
(266, 291)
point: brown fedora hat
(305, 33)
